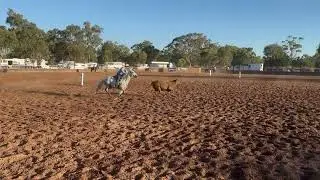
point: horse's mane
(126, 76)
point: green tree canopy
(8, 42)
(243, 56)
(182, 63)
(275, 56)
(307, 61)
(75, 38)
(137, 57)
(188, 47)
(292, 46)
(112, 51)
(209, 56)
(31, 40)
(316, 58)
(147, 47)
(225, 54)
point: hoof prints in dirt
(218, 129)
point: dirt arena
(219, 128)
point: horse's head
(132, 73)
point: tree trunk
(188, 60)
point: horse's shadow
(52, 93)
(115, 93)
(69, 84)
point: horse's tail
(100, 84)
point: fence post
(82, 76)
(239, 74)
(210, 72)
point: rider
(121, 72)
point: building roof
(159, 62)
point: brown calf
(160, 85)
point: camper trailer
(248, 67)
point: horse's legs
(107, 90)
(120, 93)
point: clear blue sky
(245, 23)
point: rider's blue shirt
(121, 72)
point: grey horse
(110, 82)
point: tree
(72, 34)
(275, 56)
(149, 49)
(92, 35)
(73, 38)
(256, 60)
(57, 46)
(16, 20)
(137, 57)
(32, 43)
(225, 54)
(165, 56)
(59, 52)
(316, 58)
(91, 39)
(308, 61)
(72, 43)
(188, 46)
(8, 41)
(32, 40)
(112, 51)
(240, 57)
(209, 56)
(141, 46)
(243, 56)
(292, 46)
(316, 61)
(90, 54)
(304, 61)
(182, 63)
(76, 52)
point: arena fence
(279, 73)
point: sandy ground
(218, 127)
